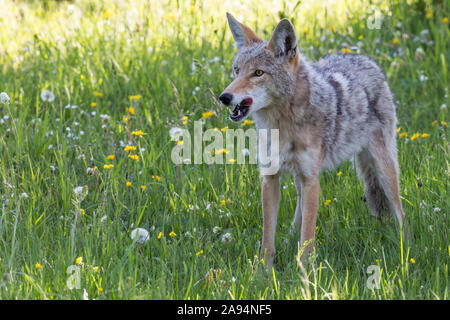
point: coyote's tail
(379, 203)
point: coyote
(326, 112)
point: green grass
(150, 51)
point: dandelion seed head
(47, 96)
(4, 98)
(227, 237)
(140, 234)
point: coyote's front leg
(270, 203)
(310, 204)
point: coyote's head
(263, 70)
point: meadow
(92, 89)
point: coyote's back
(354, 97)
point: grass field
(169, 60)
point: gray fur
(284, 39)
(237, 32)
(327, 112)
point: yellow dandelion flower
(130, 110)
(95, 269)
(137, 133)
(111, 157)
(129, 148)
(434, 123)
(262, 261)
(143, 187)
(38, 266)
(128, 184)
(221, 151)
(305, 31)
(412, 261)
(360, 37)
(107, 14)
(192, 9)
(125, 119)
(232, 161)
(93, 104)
(79, 260)
(399, 129)
(205, 115)
(378, 261)
(160, 235)
(134, 157)
(429, 14)
(395, 41)
(224, 129)
(99, 290)
(199, 253)
(327, 202)
(98, 94)
(444, 123)
(108, 166)
(83, 212)
(184, 120)
(172, 234)
(403, 135)
(134, 98)
(339, 173)
(168, 16)
(216, 129)
(414, 136)
(179, 142)
(157, 178)
(425, 135)
(445, 20)
(332, 29)
(247, 122)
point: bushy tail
(379, 204)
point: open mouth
(241, 110)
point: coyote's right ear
(284, 40)
(242, 35)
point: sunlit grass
(123, 73)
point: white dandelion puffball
(47, 96)
(78, 190)
(226, 237)
(4, 98)
(81, 192)
(141, 234)
(175, 133)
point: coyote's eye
(259, 73)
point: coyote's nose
(226, 98)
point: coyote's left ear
(284, 41)
(242, 35)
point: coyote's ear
(242, 35)
(284, 41)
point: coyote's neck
(288, 109)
